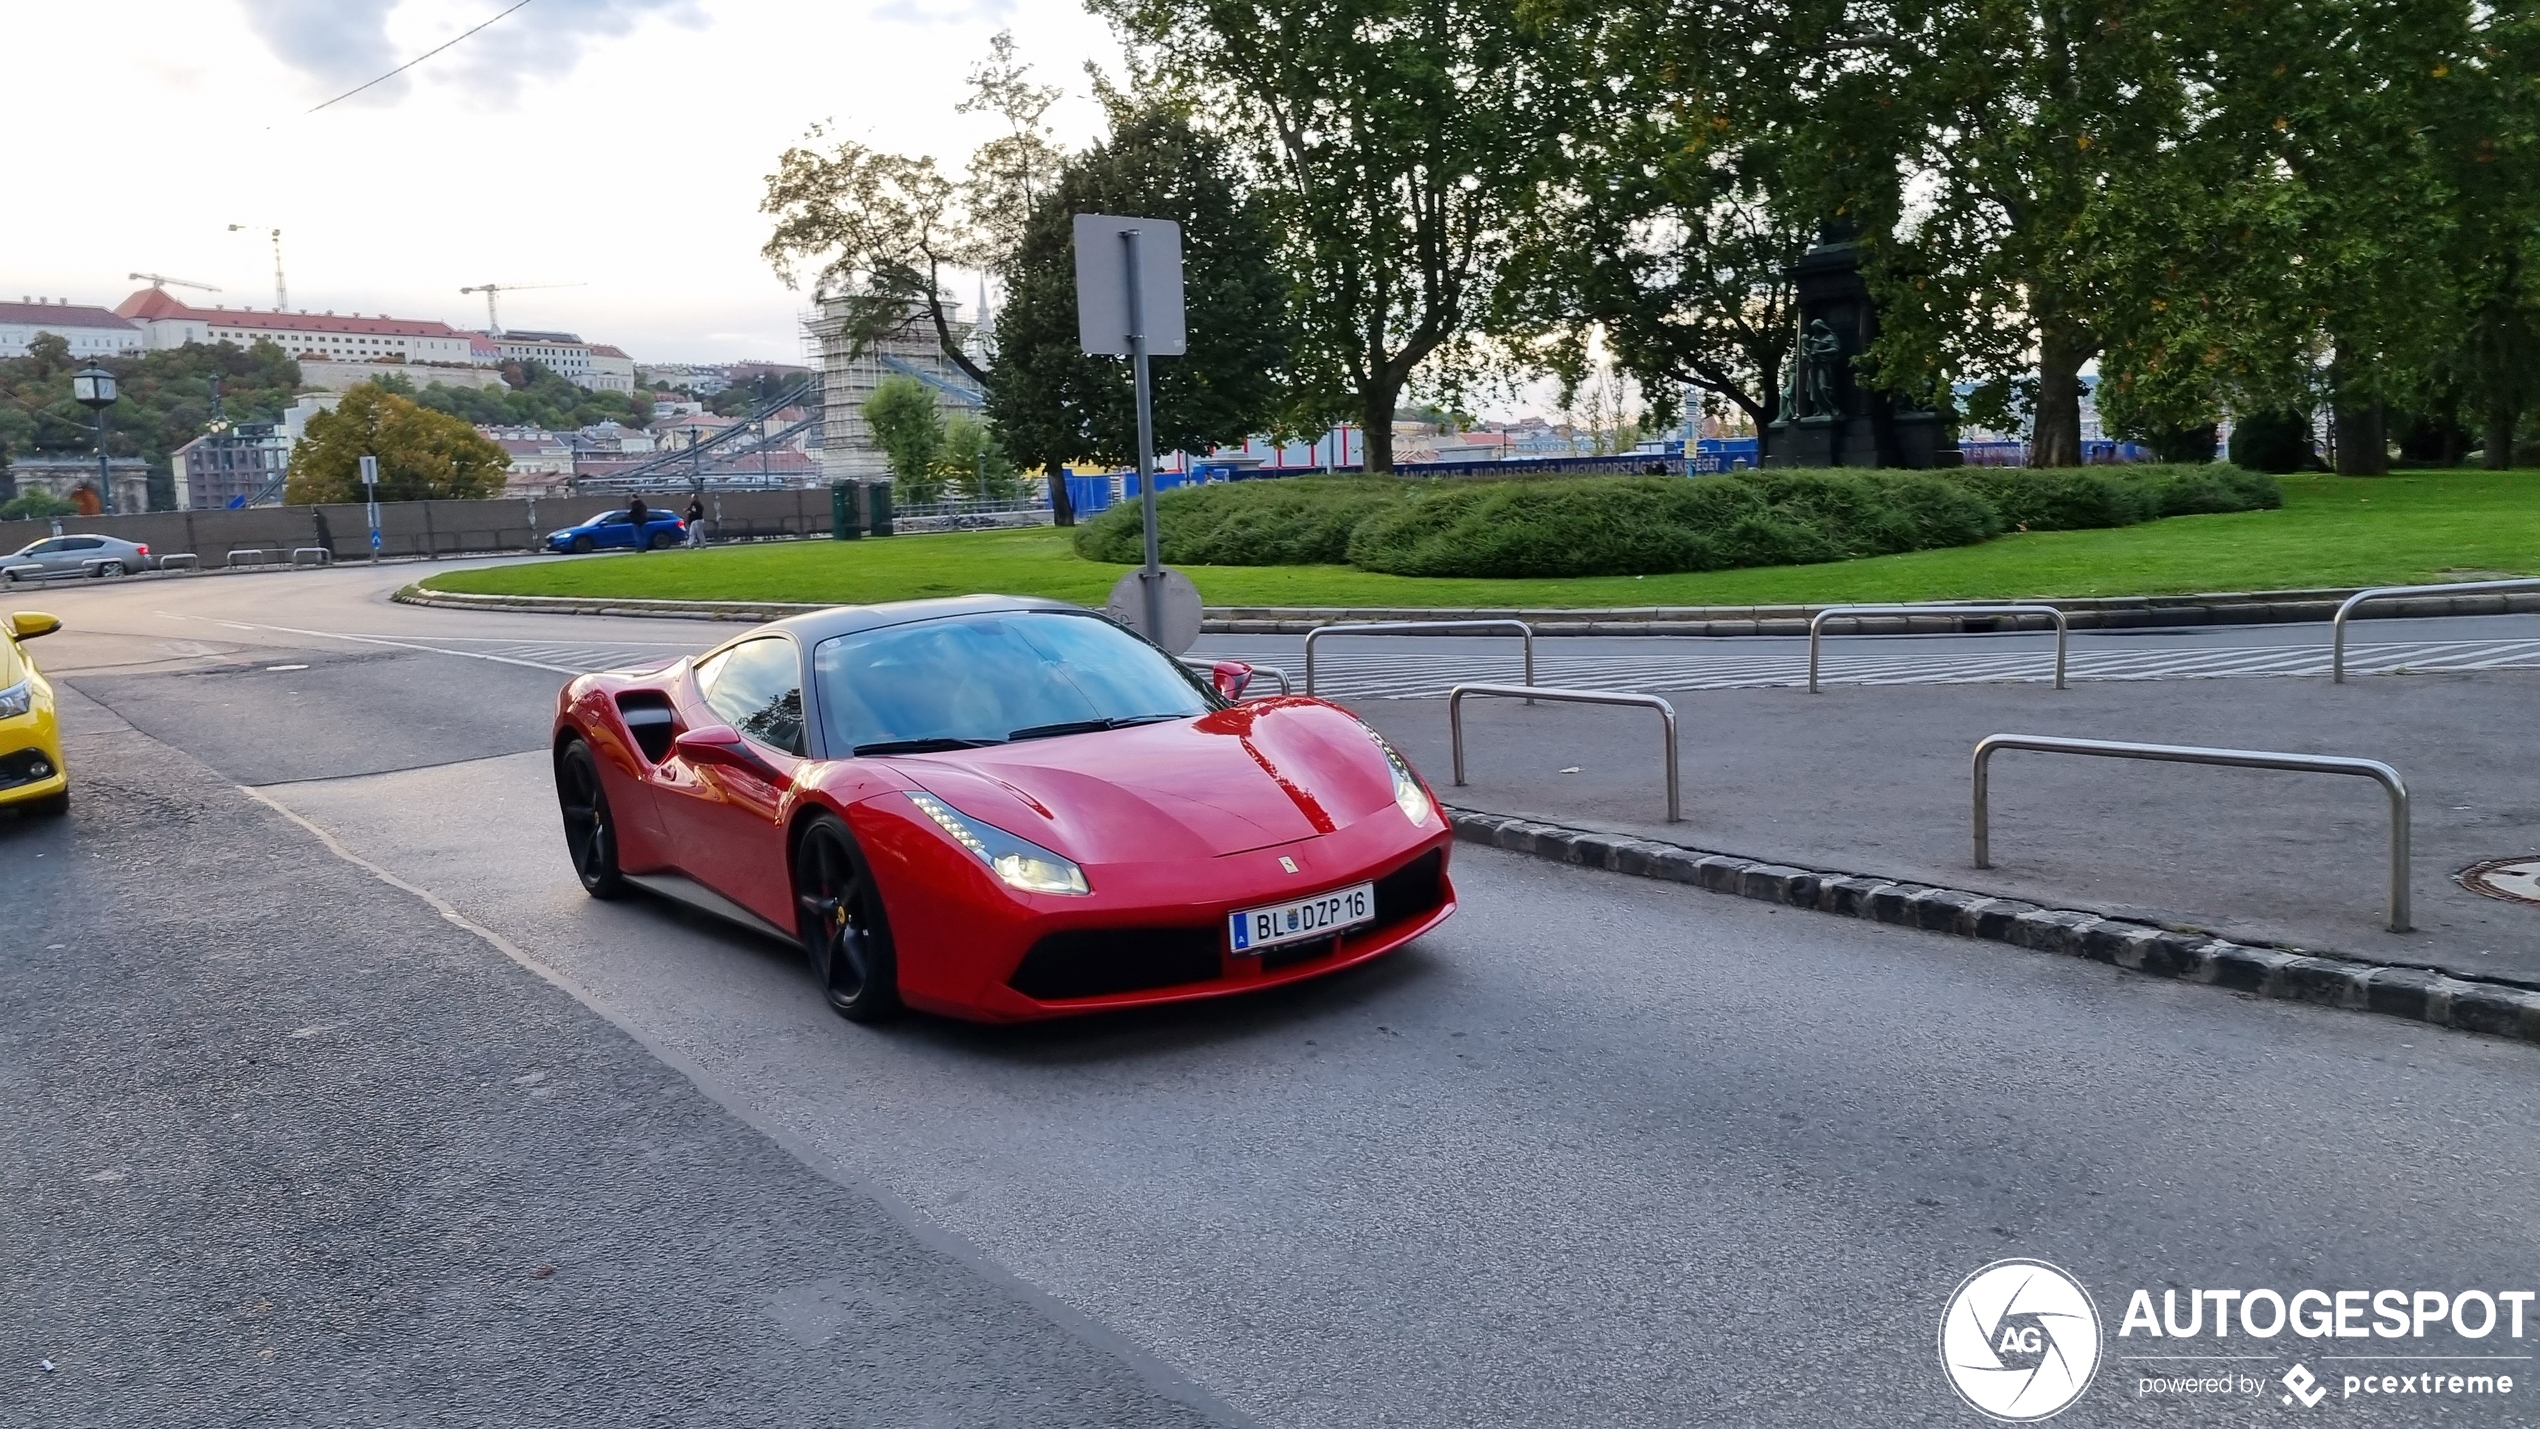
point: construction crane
(493, 322)
(281, 294)
(161, 280)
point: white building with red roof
(91, 332)
(326, 337)
(611, 370)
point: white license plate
(1320, 916)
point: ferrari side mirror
(1232, 678)
(712, 744)
(28, 624)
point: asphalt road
(1602, 1151)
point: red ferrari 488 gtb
(1000, 809)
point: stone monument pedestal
(1830, 417)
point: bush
(2209, 489)
(36, 504)
(1650, 525)
(1289, 521)
(2060, 498)
(2272, 441)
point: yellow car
(31, 774)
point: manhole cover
(2516, 880)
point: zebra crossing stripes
(1402, 674)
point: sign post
(1131, 306)
(370, 489)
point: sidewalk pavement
(1875, 781)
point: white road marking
(1405, 676)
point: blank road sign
(1102, 283)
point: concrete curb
(751, 612)
(2295, 975)
(2082, 613)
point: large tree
(884, 234)
(1390, 136)
(1676, 203)
(2033, 133)
(1054, 404)
(423, 454)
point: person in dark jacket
(696, 523)
(637, 515)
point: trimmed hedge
(1643, 525)
(1289, 521)
(1651, 524)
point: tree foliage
(910, 432)
(532, 395)
(165, 399)
(880, 233)
(1056, 405)
(1665, 231)
(423, 454)
(974, 463)
(1391, 139)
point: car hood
(1255, 776)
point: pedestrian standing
(636, 516)
(696, 523)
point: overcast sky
(618, 144)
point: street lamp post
(94, 388)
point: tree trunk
(2363, 439)
(2055, 435)
(2501, 420)
(1062, 510)
(1375, 415)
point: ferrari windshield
(973, 680)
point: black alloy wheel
(663, 540)
(582, 545)
(590, 835)
(839, 910)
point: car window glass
(82, 543)
(758, 688)
(988, 677)
(614, 518)
(42, 548)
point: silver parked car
(76, 556)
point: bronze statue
(1819, 352)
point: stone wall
(417, 528)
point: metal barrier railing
(182, 561)
(1416, 627)
(1817, 626)
(237, 559)
(311, 556)
(1207, 666)
(2337, 623)
(1531, 693)
(2372, 769)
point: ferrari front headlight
(1408, 796)
(17, 699)
(1018, 861)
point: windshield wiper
(933, 745)
(1088, 726)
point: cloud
(545, 41)
(338, 42)
(341, 43)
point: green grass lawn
(2332, 531)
